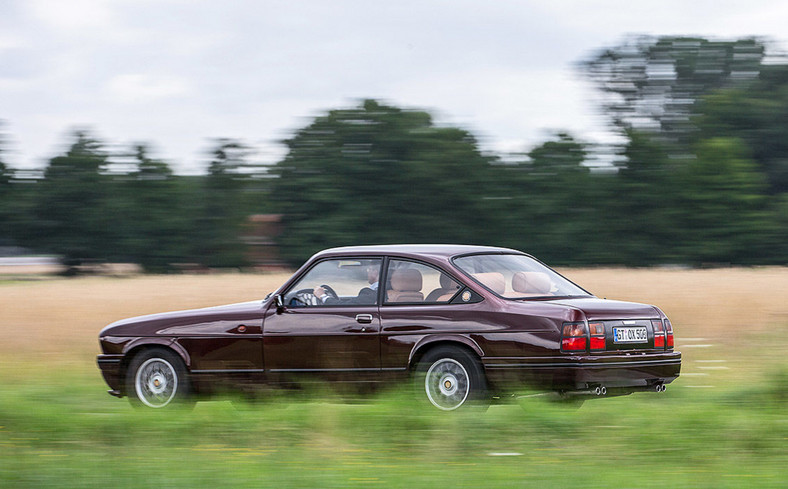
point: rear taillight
(669, 334)
(574, 337)
(597, 332)
(659, 333)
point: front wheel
(157, 378)
(450, 378)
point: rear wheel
(157, 378)
(450, 378)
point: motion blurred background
(142, 138)
(187, 135)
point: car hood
(596, 308)
(185, 316)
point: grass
(722, 424)
(67, 433)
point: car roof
(414, 250)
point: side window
(337, 282)
(411, 282)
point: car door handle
(364, 318)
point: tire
(451, 378)
(157, 378)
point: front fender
(170, 343)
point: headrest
(447, 282)
(531, 283)
(493, 281)
(406, 280)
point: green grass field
(724, 423)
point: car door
(421, 303)
(335, 336)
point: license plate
(630, 335)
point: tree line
(90, 207)
(700, 178)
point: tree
(641, 206)
(703, 122)
(222, 211)
(5, 197)
(756, 113)
(547, 207)
(720, 192)
(778, 244)
(154, 225)
(5, 176)
(70, 213)
(653, 83)
(379, 174)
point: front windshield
(516, 276)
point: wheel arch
(430, 343)
(136, 347)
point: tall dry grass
(736, 301)
(62, 317)
(59, 319)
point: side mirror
(280, 305)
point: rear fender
(428, 342)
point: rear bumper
(110, 366)
(634, 371)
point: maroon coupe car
(463, 323)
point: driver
(321, 295)
(367, 295)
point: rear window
(516, 276)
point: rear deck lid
(602, 309)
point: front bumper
(111, 370)
(567, 373)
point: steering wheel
(303, 297)
(331, 293)
(307, 297)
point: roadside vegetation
(66, 432)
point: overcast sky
(175, 73)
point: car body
(467, 322)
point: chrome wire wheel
(156, 382)
(447, 384)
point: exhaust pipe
(659, 387)
(599, 390)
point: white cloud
(73, 15)
(140, 87)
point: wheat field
(61, 318)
